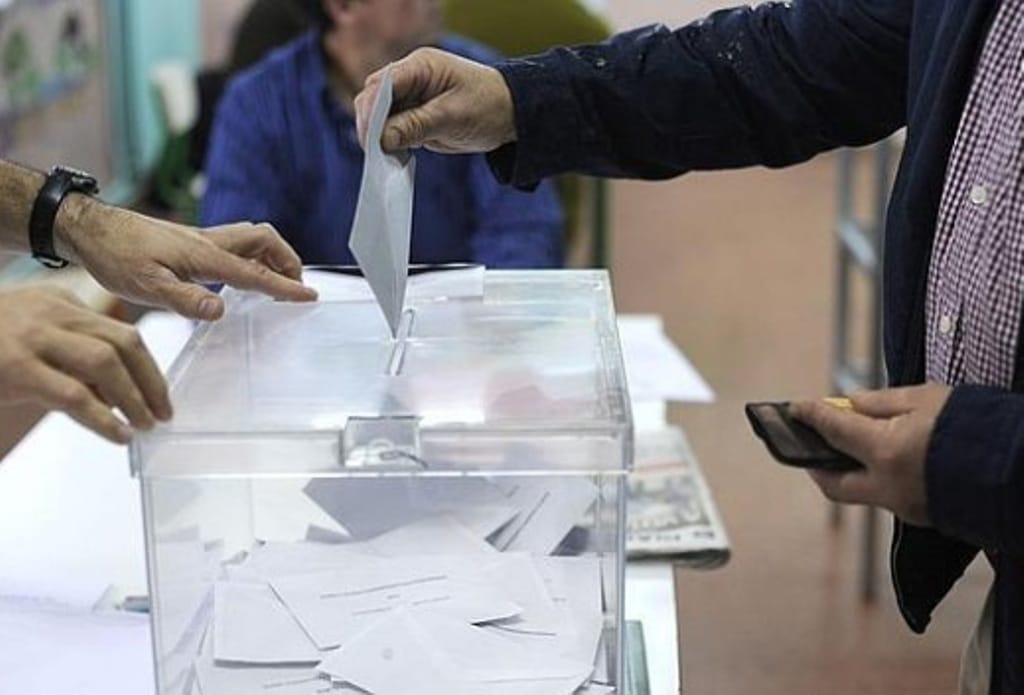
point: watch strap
(59, 182)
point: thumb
(885, 403)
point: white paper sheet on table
(383, 221)
(332, 606)
(227, 680)
(574, 584)
(278, 559)
(655, 368)
(56, 649)
(252, 626)
(375, 506)
(549, 509)
(283, 512)
(231, 679)
(426, 653)
(516, 574)
(434, 535)
(539, 619)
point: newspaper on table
(671, 513)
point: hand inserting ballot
(442, 102)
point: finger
(136, 357)
(61, 392)
(417, 112)
(258, 242)
(846, 488)
(415, 128)
(443, 147)
(409, 79)
(225, 267)
(886, 403)
(96, 362)
(850, 432)
(186, 298)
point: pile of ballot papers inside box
(467, 601)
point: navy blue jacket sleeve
(772, 85)
(975, 469)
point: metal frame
(860, 248)
(126, 175)
(600, 255)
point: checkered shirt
(976, 277)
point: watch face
(80, 180)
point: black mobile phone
(792, 442)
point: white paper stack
(467, 601)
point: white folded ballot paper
(429, 607)
(383, 221)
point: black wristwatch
(59, 182)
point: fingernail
(839, 402)
(165, 412)
(124, 434)
(209, 309)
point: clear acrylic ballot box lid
(334, 509)
(277, 388)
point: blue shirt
(284, 151)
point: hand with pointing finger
(161, 263)
(889, 432)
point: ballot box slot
(401, 343)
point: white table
(71, 524)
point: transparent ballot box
(336, 510)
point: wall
(219, 18)
(55, 86)
(156, 30)
(625, 14)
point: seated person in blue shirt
(284, 150)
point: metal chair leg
(869, 556)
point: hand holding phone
(795, 444)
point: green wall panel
(155, 31)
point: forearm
(18, 189)
(78, 213)
(770, 85)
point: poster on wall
(54, 92)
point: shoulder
(468, 48)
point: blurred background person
(284, 149)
